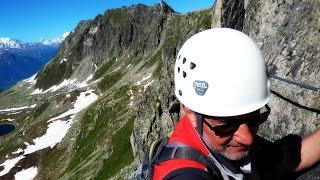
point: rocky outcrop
(287, 32)
(228, 13)
(158, 110)
(132, 31)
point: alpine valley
(107, 93)
(19, 60)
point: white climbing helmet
(221, 72)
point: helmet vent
(178, 69)
(184, 60)
(184, 74)
(179, 56)
(180, 92)
(192, 65)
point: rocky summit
(95, 108)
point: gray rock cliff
(288, 34)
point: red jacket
(184, 133)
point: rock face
(158, 110)
(132, 31)
(288, 34)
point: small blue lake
(6, 128)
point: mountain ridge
(9, 43)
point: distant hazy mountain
(19, 60)
(6, 43)
(55, 41)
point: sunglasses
(231, 124)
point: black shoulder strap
(189, 153)
(152, 156)
(145, 170)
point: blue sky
(32, 20)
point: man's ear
(190, 114)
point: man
(221, 81)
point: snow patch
(32, 79)
(93, 30)
(63, 60)
(85, 83)
(117, 69)
(17, 151)
(56, 131)
(9, 164)
(26, 174)
(83, 100)
(95, 67)
(37, 91)
(18, 108)
(147, 85)
(144, 78)
(9, 119)
(33, 106)
(65, 83)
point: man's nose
(245, 135)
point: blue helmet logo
(200, 87)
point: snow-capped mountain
(9, 43)
(19, 59)
(54, 41)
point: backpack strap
(188, 153)
(150, 158)
(161, 151)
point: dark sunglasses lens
(223, 129)
(226, 129)
(252, 121)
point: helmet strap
(199, 123)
